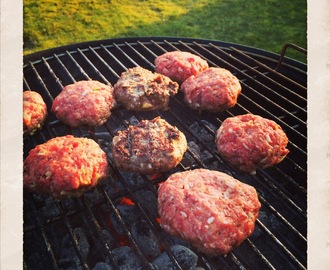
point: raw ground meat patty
(149, 147)
(249, 141)
(179, 66)
(140, 89)
(65, 166)
(211, 210)
(34, 112)
(214, 89)
(84, 103)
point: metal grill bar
(283, 201)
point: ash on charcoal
(93, 195)
(69, 257)
(150, 266)
(129, 214)
(188, 159)
(131, 179)
(146, 239)
(172, 240)
(185, 257)
(107, 238)
(126, 258)
(148, 201)
(50, 209)
(102, 266)
(71, 204)
(203, 133)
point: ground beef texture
(34, 112)
(209, 209)
(151, 146)
(250, 141)
(214, 89)
(65, 166)
(139, 89)
(84, 103)
(179, 65)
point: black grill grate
(78, 233)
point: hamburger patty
(179, 66)
(249, 141)
(84, 103)
(149, 147)
(64, 166)
(214, 89)
(139, 89)
(211, 210)
(34, 112)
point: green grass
(264, 24)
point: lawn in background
(264, 24)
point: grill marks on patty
(149, 147)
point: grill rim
(126, 41)
(97, 43)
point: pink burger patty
(84, 103)
(214, 89)
(249, 141)
(34, 112)
(179, 66)
(211, 210)
(64, 166)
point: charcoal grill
(99, 229)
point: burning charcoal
(172, 240)
(126, 258)
(132, 179)
(129, 214)
(204, 134)
(148, 200)
(102, 266)
(83, 242)
(186, 258)
(145, 239)
(70, 204)
(50, 209)
(69, 258)
(188, 159)
(107, 238)
(150, 266)
(93, 195)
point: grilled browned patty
(140, 89)
(65, 166)
(211, 210)
(179, 66)
(84, 103)
(214, 89)
(34, 112)
(149, 147)
(249, 141)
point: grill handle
(285, 47)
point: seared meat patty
(179, 66)
(84, 103)
(214, 89)
(149, 147)
(211, 210)
(249, 141)
(34, 112)
(140, 89)
(65, 166)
